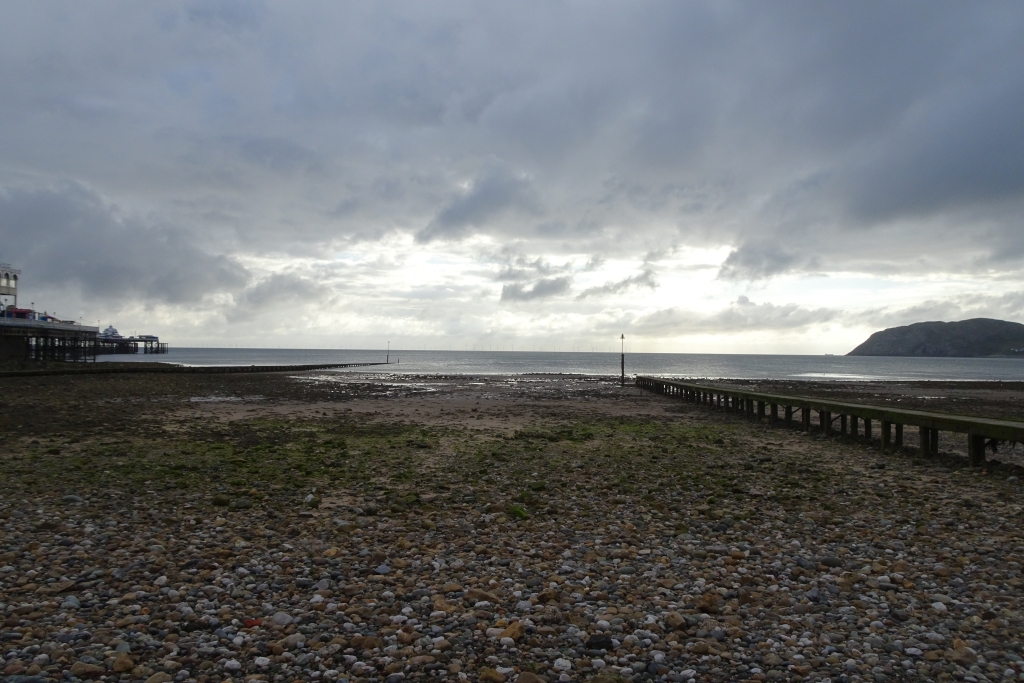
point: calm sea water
(693, 365)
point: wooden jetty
(854, 419)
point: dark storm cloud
(518, 267)
(805, 137)
(494, 193)
(755, 261)
(644, 279)
(280, 290)
(542, 289)
(67, 236)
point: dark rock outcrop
(963, 339)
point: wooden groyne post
(853, 419)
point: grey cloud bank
(221, 159)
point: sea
(676, 365)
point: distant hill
(964, 339)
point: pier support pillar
(867, 429)
(789, 416)
(761, 410)
(886, 436)
(774, 413)
(933, 442)
(925, 437)
(825, 418)
(898, 443)
(805, 418)
(844, 424)
(976, 449)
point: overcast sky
(718, 176)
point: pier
(43, 340)
(127, 345)
(99, 369)
(50, 340)
(842, 418)
(27, 334)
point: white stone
(562, 664)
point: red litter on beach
(249, 623)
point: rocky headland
(978, 337)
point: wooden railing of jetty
(778, 409)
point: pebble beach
(369, 528)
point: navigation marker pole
(623, 360)
(387, 358)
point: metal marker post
(623, 359)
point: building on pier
(9, 282)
